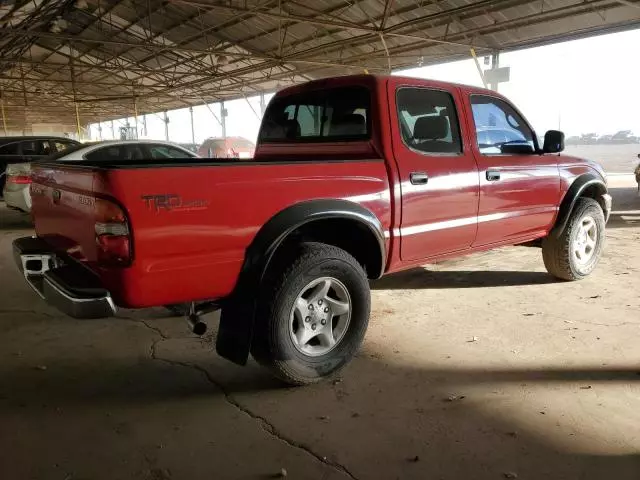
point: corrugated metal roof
(103, 54)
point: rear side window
(165, 151)
(9, 149)
(36, 148)
(116, 153)
(339, 114)
(428, 121)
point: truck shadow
(420, 278)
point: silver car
(16, 190)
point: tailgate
(63, 208)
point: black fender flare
(575, 191)
(237, 318)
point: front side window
(61, 146)
(428, 121)
(339, 114)
(500, 129)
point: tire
(559, 254)
(278, 340)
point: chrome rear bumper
(70, 287)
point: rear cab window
(339, 114)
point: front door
(519, 188)
(438, 173)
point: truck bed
(190, 221)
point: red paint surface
(197, 253)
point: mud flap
(236, 321)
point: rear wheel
(313, 319)
(574, 254)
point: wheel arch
(588, 186)
(340, 223)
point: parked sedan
(29, 149)
(16, 190)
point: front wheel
(574, 254)
(313, 318)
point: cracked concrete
(471, 369)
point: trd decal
(172, 202)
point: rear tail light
(113, 237)
(19, 179)
(19, 173)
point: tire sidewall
(593, 210)
(312, 367)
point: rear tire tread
(265, 347)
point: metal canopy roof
(102, 54)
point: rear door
(438, 172)
(519, 188)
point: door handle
(419, 178)
(493, 175)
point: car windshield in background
(340, 114)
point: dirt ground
(483, 368)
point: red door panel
(519, 191)
(437, 170)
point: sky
(582, 86)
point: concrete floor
(483, 368)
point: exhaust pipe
(198, 327)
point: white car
(16, 190)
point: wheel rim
(585, 241)
(320, 316)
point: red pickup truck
(353, 178)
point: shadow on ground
(380, 420)
(13, 219)
(420, 278)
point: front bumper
(607, 201)
(63, 283)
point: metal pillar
(135, 113)
(475, 59)
(100, 131)
(223, 119)
(113, 131)
(495, 64)
(263, 106)
(78, 127)
(4, 116)
(144, 125)
(166, 126)
(193, 132)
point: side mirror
(553, 142)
